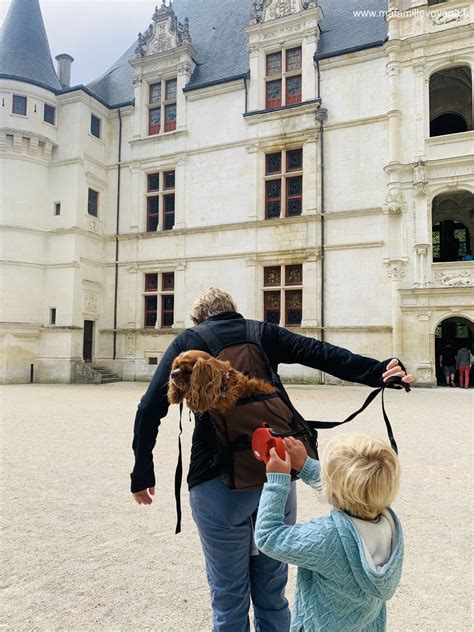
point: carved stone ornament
(130, 343)
(424, 375)
(90, 302)
(165, 32)
(95, 226)
(455, 279)
(264, 10)
(396, 270)
(394, 202)
(419, 177)
(446, 17)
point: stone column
(256, 79)
(180, 193)
(420, 86)
(311, 292)
(394, 114)
(184, 74)
(179, 291)
(137, 209)
(396, 272)
(308, 73)
(256, 166)
(138, 114)
(254, 285)
(310, 175)
(425, 371)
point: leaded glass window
(155, 92)
(171, 88)
(273, 199)
(273, 64)
(272, 307)
(293, 59)
(273, 99)
(273, 163)
(285, 281)
(272, 275)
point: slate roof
(220, 42)
(217, 32)
(24, 47)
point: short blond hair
(212, 301)
(361, 475)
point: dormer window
(283, 78)
(162, 103)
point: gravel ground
(80, 555)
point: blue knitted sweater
(337, 590)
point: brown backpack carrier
(239, 468)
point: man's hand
(395, 370)
(297, 452)
(277, 465)
(144, 497)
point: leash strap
(368, 401)
(178, 477)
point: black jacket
(280, 346)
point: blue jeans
(236, 570)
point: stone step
(106, 375)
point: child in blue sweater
(349, 563)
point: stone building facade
(313, 159)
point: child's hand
(277, 465)
(297, 452)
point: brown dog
(207, 383)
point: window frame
(163, 105)
(89, 191)
(161, 194)
(56, 209)
(284, 175)
(24, 100)
(159, 293)
(284, 289)
(91, 128)
(54, 110)
(282, 78)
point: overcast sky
(95, 32)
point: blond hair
(212, 301)
(361, 475)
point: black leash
(393, 382)
(178, 477)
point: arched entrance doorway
(460, 332)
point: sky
(95, 32)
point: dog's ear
(175, 395)
(204, 385)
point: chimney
(64, 69)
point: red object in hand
(263, 441)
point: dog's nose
(175, 372)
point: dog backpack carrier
(239, 468)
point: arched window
(451, 101)
(450, 241)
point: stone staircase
(106, 375)
(87, 373)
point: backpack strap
(204, 331)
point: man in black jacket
(236, 571)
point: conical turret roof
(24, 47)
